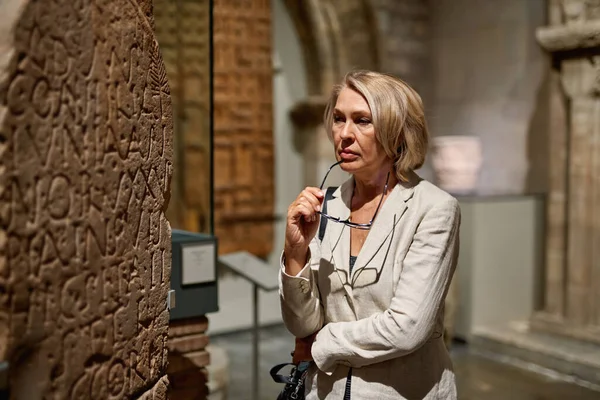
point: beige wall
(500, 261)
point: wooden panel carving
(243, 139)
(183, 31)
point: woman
(371, 292)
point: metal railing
(261, 276)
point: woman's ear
(399, 152)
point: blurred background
(511, 96)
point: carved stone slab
(85, 166)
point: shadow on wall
(544, 120)
(538, 139)
(187, 381)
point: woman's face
(354, 136)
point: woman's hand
(302, 224)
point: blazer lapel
(385, 222)
(339, 234)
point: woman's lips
(348, 155)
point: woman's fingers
(314, 196)
(302, 219)
(306, 210)
(315, 191)
(308, 203)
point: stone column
(572, 287)
(85, 167)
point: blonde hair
(397, 113)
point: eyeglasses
(363, 277)
(347, 221)
(366, 276)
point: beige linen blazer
(385, 320)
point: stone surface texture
(188, 359)
(574, 24)
(567, 38)
(85, 166)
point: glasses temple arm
(327, 174)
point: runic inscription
(85, 166)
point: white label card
(198, 263)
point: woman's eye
(337, 118)
(364, 121)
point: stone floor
(479, 377)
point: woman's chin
(350, 166)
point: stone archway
(336, 36)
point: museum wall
(404, 31)
(489, 81)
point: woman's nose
(347, 130)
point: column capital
(308, 113)
(557, 38)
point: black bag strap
(277, 377)
(323, 223)
(295, 375)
